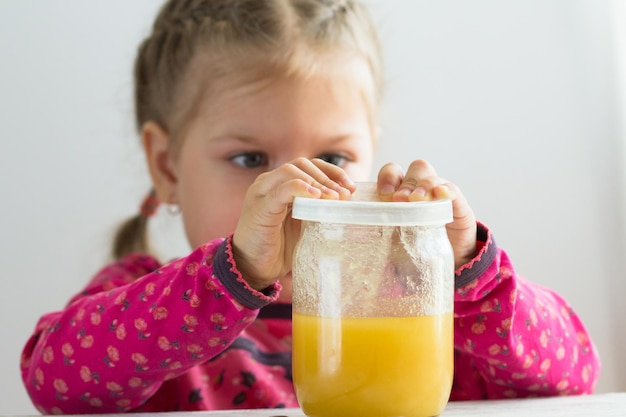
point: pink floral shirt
(192, 335)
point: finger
(279, 200)
(419, 182)
(418, 170)
(299, 178)
(326, 176)
(270, 196)
(389, 179)
(463, 216)
(426, 189)
(334, 173)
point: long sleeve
(514, 338)
(135, 326)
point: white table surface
(598, 405)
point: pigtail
(132, 235)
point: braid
(195, 42)
(131, 237)
(270, 29)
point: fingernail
(330, 191)
(387, 189)
(404, 192)
(313, 191)
(419, 191)
(347, 182)
(444, 192)
(343, 193)
(340, 190)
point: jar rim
(365, 208)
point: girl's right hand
(266, 234)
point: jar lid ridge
(365, 208)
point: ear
(156, 146)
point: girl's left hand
(421, 183)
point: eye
(250, 159)
(334, 158)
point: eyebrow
(239, 138)
(251, 140)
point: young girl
(242, 106)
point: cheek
(212, 217)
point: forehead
(215, 75)
(214, 79)
(318, 106)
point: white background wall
(517, 102)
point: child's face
(244, 131)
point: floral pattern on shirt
(191, 335)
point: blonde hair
(196, 42)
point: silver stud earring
(173, 209)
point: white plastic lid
(366, 208)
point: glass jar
(373, 287)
